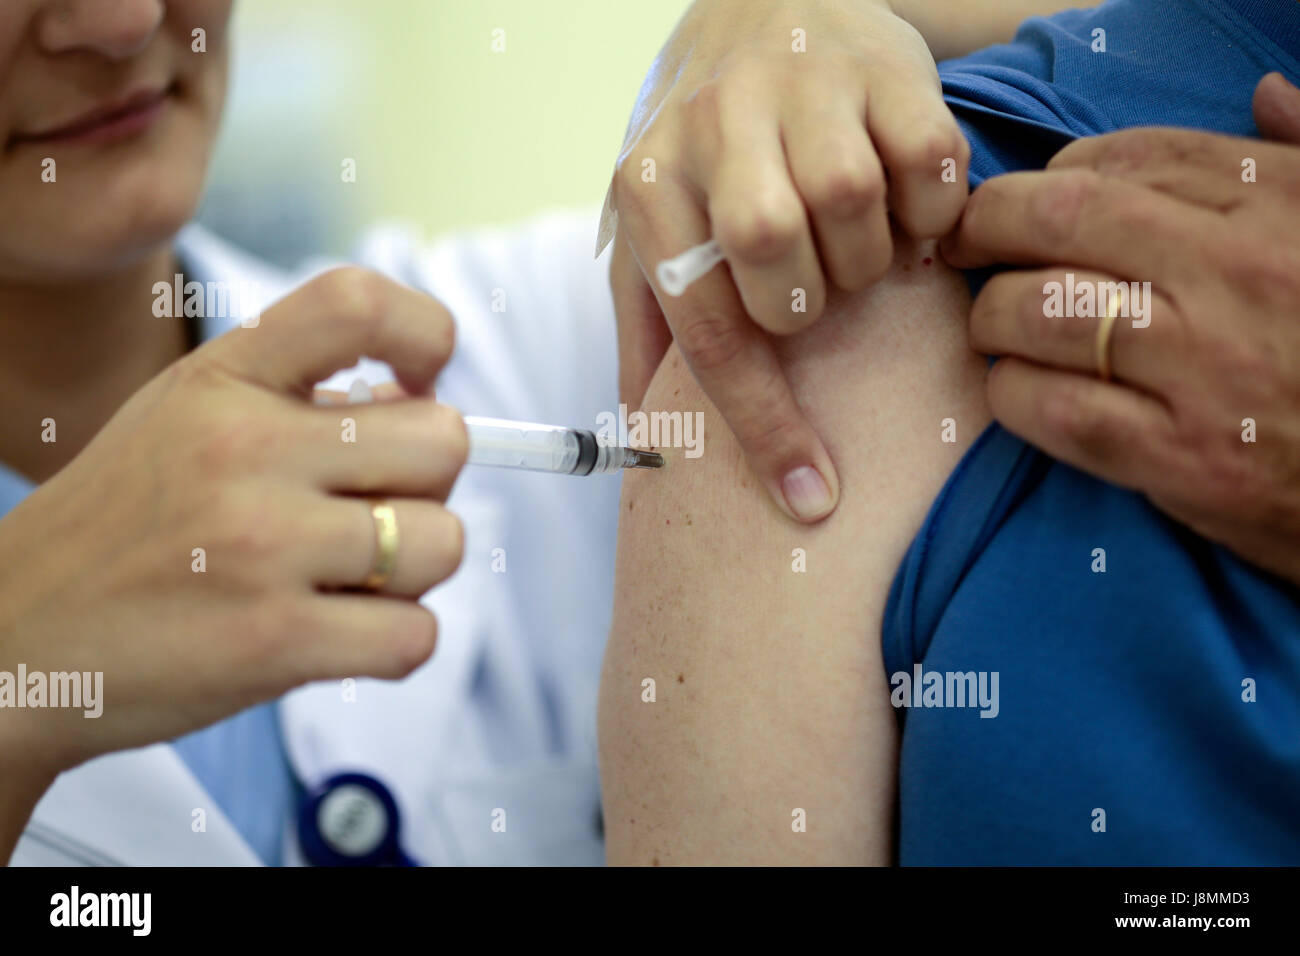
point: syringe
(561, 451)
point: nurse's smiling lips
(106, 124)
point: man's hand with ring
(1201, 411)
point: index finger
(1203, 169)
(737, 367)
(331, 322)
(1077, 217)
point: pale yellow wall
(445, 131)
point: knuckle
(1145, 215)
(1055, 212)
(926, 153)
(1245, 362)
(232, 445)
(1270, 272)
(763, 232)
(704, 105)
(249, 529)
(776, 439)
(1067, 412)
(354, 293)
(356, 296)
(846, 187)
(711, 343)
(1131, 149)
(746, 74)
(1051, 328)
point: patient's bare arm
(767, 735)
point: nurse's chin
(101, 243)
(108, 215)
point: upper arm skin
(770, 694)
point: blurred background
(446, 132)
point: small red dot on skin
(928, 261)
(669, 521)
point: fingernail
(806, 492)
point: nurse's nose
(117, 29)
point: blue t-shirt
(1144, 714)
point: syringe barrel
(507, 444)
(534, 447)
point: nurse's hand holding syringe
(220, 540)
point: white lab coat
(503, 716)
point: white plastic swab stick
(676, 274)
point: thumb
(1277, 109)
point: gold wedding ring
(385, 545)
(1106, 332)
